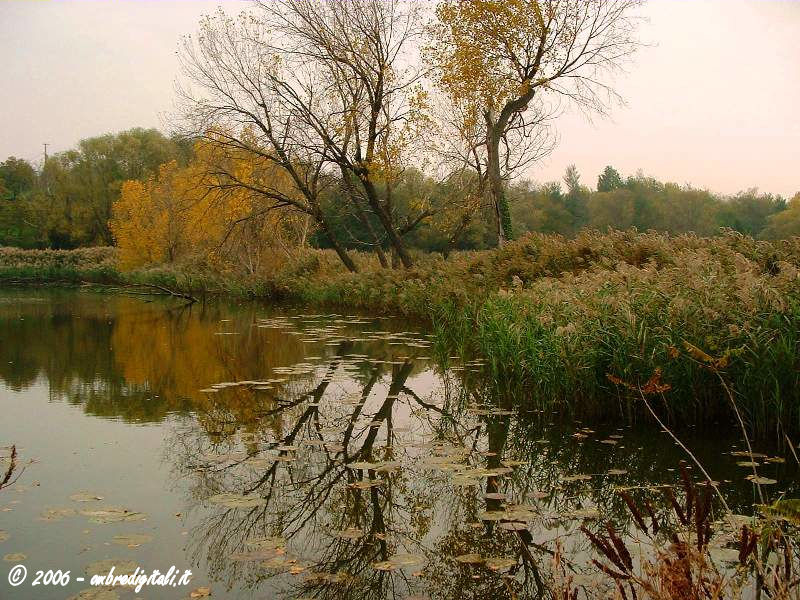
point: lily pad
(470, 559)
(403, 560)
(761, 480)
(102, 567)
(14, 557)
(95, 594)
(56, 514)
(85, 497)
(499, 563)
(351, 533)
(133, 540)
(112, 514)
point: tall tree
(16, 177)
(609, 180)
(499, 60)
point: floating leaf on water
(581, 513)
(725, 555)
(133, 540)
(237, 500)
(761, 480)
(403, 560)
(56, 514)
(388, 467)
(513, 525)
(495, 496)
(95, 594)
(102, 567)
(85, 497)
(787, 509)
(492, 515)
(266, 554)
(281, 561)
(14, 557)
(322, 577)
(499, 563)
(363, 465)
(112, 514)
(366, 484)
(470, 559)
(748, 454)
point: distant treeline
(67, 203)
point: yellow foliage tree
(495, 59)
(187, 214)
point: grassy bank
(579, 325)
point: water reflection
(330, 456)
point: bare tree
(499, 60)
(317, 88)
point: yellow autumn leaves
(186, 213)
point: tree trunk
(496, 187)
(340, 250)
(394, 237)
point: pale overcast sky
(713, 101)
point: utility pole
(45, 153)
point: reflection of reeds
(681, 564)
(676, 568)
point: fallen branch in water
(164, 291)
(12, 466)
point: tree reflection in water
(362, 456)
(455, 472)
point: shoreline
(585, 326)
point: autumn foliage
(183, 215)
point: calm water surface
(283, 454)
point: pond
(284, 453)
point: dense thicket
(67, 201)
